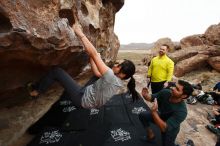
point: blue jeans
(168, 137)
(74, 90)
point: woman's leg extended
(65, 80)
(146, 118)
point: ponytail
(128, 68)
(131, 86)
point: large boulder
(36, 35)
(194, 40)
(188, 65)
(212, 34)
(193, 58)
(210, 37)
(160, 42)
(185, 53)
(198, 51)
(215, 62)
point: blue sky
(145, 21)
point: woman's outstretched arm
(91, 50)
(94, 68)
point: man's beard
(161, 53)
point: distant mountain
(136, 46)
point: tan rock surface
(188, 65)
(212, 34)
(36, 35)
(194, 40)
(215, 62)
(195, 57)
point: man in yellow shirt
(160, 70)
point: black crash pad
(114, 124)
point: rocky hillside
(36, 35)
(133, 46)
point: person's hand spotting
(145, 92)
(154, 107)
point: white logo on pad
(138, 110)
(50, 137)
(120, 135)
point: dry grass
(134, 55)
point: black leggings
(74, 90)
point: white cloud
(148, 20)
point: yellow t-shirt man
(161, 69)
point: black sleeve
(156, 95)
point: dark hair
(168, 47)
(187, 87)
(171, 84)
(128, 68)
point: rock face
(194, 40)
(36, 35)
(213, 34)
(192, 63)
(198, 51)
(195, 57)
(215, 62)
